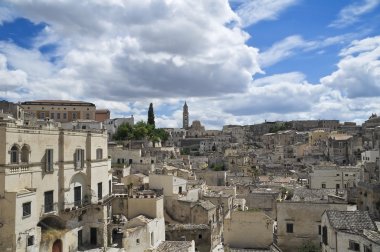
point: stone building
(340, 149)
(299, 219)
(13, 109)
(54, 188)
(327, 175)
(248, 229)
(60, 110)
(349, 231)
(199, 233)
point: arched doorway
(57, 246)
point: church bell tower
(185, 116)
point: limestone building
(53, 188)
(60, 110)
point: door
(93, 238)
(77, 196)
(80, 238)
(57, 246)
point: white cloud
(254, 11)
(10, 79)
(5, 15)
(351, 13)
(296, 44)
(358, 73)
(141, 48)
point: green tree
(124, 132)
(151, 115)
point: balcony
(49, 209)
(16, 168)
(77, 204)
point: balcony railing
(49, 209)
(77, 204)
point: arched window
(14, 155)
(25, 150)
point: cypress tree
(151, 115)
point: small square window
(26, 209)
(30, 240)
(289, 227)
(352, 245)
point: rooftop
(351, 221)
(174, 246)
(58, 103)
(172, 227)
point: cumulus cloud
(358, 73)
(351, 13)
(145, 48)
(10, 79)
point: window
(109, 187)
(25, 154)
(152, 239)
(58, 116)
(137, 241)
(352, 245)
(324, 235)
(367, 249)
(42, 115)
(337, 186)
(99, 154)
(337, 174)
(319, 230)
(14, 155)
(74, 115)
(323, 185)
(49, 201)
(200, 236)
(49, 160)
(346, 175)
(51, 115)
(77, 196)
(100, 191)
(30, 241)
(79, 158)
(64, 115)
(87, 116)
(26, 209)
(289, 227)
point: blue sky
(234, 62)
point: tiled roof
(174, 246)
(305, 194)
(206, 204)
(172, 227)
(372, 235)
(351, 221)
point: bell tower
(185, 118)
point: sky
(233, 62)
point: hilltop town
(72, 178)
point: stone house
(327, 175)
(349, 231)
(143, 233)
(54, 189)
(248, 229)
(340, 149)
(299, 219)
(369, 198)
(199, 233)
(171, 185)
